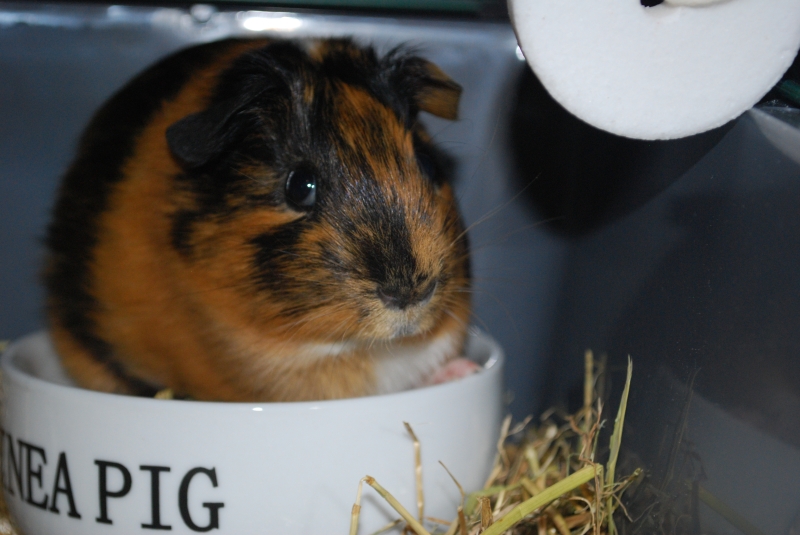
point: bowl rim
(13, 373)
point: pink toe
(454, 369)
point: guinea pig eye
(301, 188)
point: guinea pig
(262, 220)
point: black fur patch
(105, 146)
(273, 250)
(219, 190)
(384, 243)
(396, 80)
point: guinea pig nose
(394, 297)
(399, 297)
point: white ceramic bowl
(81, 462)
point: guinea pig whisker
(472, 291)
(483, 324)
(327, 312)
(311, 318)
(447, 126)
(481, 291)
(296, 326)
(478, 319)
(450, 300)
(458, 320)
(503, 307)
(485, 152)
(516, 282)
(465, 290)
(348, 331)
(490, 214)
(500, 240)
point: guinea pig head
(313, 204)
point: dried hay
(6, 525)
(545, 480)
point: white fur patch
(402, 367)
(312, 352)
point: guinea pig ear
(430, 89)
(201, 137)
(439, 94)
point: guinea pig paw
(454, 369)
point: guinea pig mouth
(412, 321)
(404, 328)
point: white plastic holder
(663, 72)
